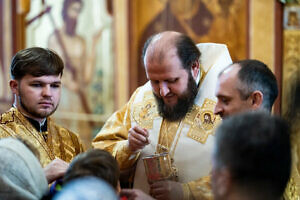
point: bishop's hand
(135, 194)
(137, 138)
(166, 190)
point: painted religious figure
(291, 18)
(85, 46)
(219, 21)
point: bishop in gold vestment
(189, 141)
(56, 142)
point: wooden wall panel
(203, 20)
(6, 51)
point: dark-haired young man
(252, 157)
(245, 85)
(36, 85)
(169, 115)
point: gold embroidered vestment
(60, 143)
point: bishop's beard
(184, 104)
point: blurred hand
(135, 194)
(165, 190)
(55, 170)
(137, 138)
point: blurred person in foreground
(252, 157)
(245, 85)
(21, 174)
(95, 162)
(87, 188)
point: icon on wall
(291, 18)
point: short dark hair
(255, 75)
(255, 148)
(37, 62)
(145, 47)
(95, 162)
(187, 50)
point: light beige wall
(7, 35)
(120, 8)
(262, 31)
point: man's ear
(223, 183)
(257, 98)
(14, 86)
(195, 68)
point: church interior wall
(251, 29)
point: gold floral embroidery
(202, 121)
(166, 136)
(59, 143)
(145, 111)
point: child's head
(97, 163)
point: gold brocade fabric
(290, 75)
(201, 188)
(292, 191)
(189, 142)
(166, 136)
(113, 136)
(60, 143)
